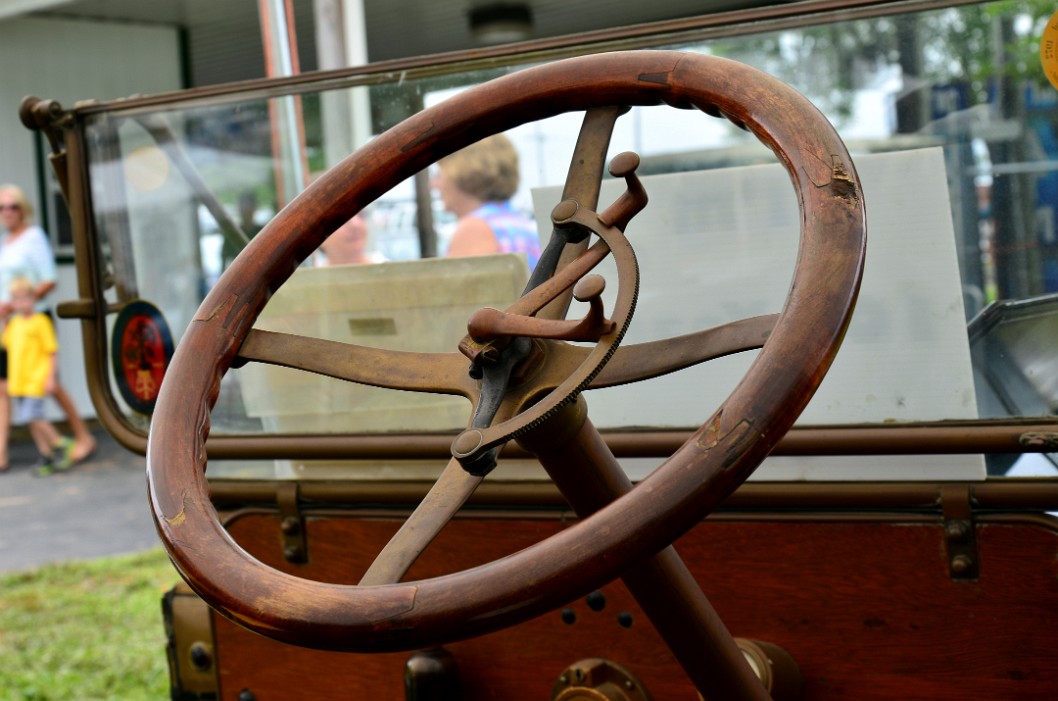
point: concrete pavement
(97, 508)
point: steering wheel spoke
(643, 361)
(437, 508)
(438, 373)
(582, 185)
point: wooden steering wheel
(595, 550)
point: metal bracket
(193, 665)
(959, 532)
(291, 523)
(77, 309)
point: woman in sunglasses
(26, 253)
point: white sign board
(716, 246)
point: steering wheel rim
(713, 462)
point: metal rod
(584, 469)
(806, 498)
(712, 25)
(938, 439)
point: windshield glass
(947, 113)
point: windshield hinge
(48, 117)
(959, 531)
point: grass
(85, 631)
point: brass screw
(958, 530)
(961, 564)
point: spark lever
(490, 324)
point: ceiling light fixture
(501, 23)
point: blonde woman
(26, 253)
(476, 184)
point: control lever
(488, 328)
(490, 324)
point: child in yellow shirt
(29, 338)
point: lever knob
(633, 199)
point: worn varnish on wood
(866, 606)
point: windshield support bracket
(960, 532)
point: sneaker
(45, 467)
(63, 454)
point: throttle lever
(490, 324)
(488, 329)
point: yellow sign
(1049, 50)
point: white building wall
(72, 60)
